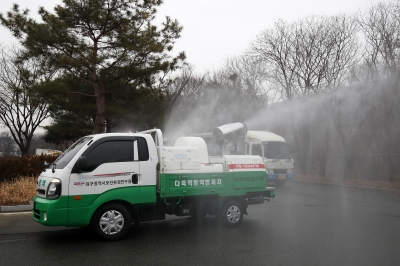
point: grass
(17, 192)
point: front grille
(36, 214)
(280, 171)
(40, 192)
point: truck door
(256, 149)
(107, 166)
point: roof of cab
(102, 135)
(262, 136)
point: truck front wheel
(111, 221)
(231, 214)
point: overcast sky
(217, 29)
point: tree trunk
(24, 147)
(108, 126)
(100, 111)
(24, 151)
(391, 162)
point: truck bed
(229, 175)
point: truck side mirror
(45, 165)
(82, 164)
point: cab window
(110, 152)
(113, 151)
(257, 149)
(143, 150)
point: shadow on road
(185, 229)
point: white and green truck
(115, 180)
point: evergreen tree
(127, 110)
(111, 45)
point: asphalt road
(305, 224)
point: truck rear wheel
(231, 214)
(111, 221)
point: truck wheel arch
(133, 210)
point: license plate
(281, 176)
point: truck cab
(121, 166)
(276, 154)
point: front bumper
(274, 177)
(50, 212)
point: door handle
(135, 178)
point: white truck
(235, 138)
(111, 181)
(276, 153)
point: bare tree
(344, 53)
(250, 74)
(382, 123)
(308, 55)
(184, 96)
(380, 26)
(275, 48)
(311, 50)
(325, 49)
(22, 107)
(200, 102)
(303, 58)
(183, 87)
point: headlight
(270, 171)
(54, 189)
(290, 171)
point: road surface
(306, 224)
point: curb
(18, 208)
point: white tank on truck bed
(197, 142)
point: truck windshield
(67, 155)
(277, 150)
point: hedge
(12, 168)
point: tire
(231, 214)
(111, 221)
